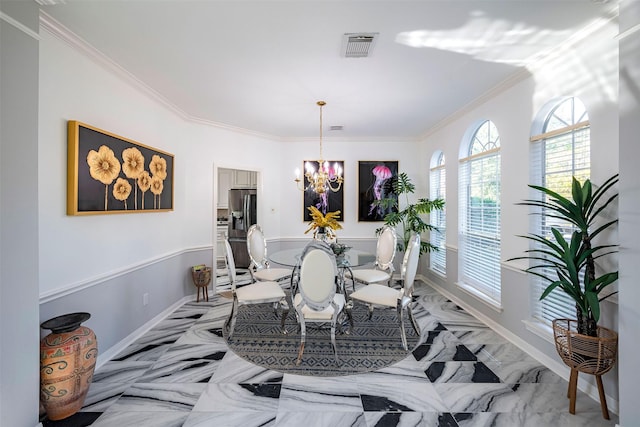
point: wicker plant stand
(586, 354)
(201, 279)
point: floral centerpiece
(323, 224)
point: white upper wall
(82, 249)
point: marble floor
(180, 373)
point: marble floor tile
(442, 346)
(408, 369)
(239, 398)
(204, 334)
(480, 336)
(508, 419)
(431, 300)
(190, 310)
(181, 352)
(320, 419)
(460, 372)
(181, 371)
(170, 324)
(158, 397)
(102, 395)
(143, 352)
(141, 419)
(505, 352)
(466, 397)
(409, 419)
(525, 371)
(234, 369)
(121, 372)
(319, 394)
(553, 398)
(393, 396)
(231, 419)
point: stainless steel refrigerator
(242, 215)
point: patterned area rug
(371, 345)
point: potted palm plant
(409, 218)
(581, 344)
(573, 259)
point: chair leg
(403, 334)
(603, 399)
(285, 312)
(370, 311)
(232, 317)
(303, 336)
(573, 386)
(348, 308)
(333, 339)
(413, 321)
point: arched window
(560, 150)
(437, 179)
(479, 230)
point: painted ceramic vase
(67, 360)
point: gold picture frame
(108, 174)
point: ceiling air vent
(358, 45)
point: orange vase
(67, 360)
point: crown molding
(20, 26)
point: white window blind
(438, 259)
(561, 152)
(479, 204)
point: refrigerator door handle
(245, 209)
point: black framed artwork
(328, 201)
(107, 174)
(375, 182)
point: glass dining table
(350, 259)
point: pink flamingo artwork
(382, 174)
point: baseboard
(557, 367)
(114, 350)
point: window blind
(556, 158)
(479, 204)
(438, 259)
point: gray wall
(629, 345)
(19, 370)
(116, 302)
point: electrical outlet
(145, 299)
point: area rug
(369, 346)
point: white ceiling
(262, 65)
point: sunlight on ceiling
(491, 40)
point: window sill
(492, 304)
(540, 329)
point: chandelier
(325, 178)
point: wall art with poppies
(375, 182)
(107, 173)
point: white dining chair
(376, 295)
(317, 300)
(259, 267)
(383, 267)
(261, 292)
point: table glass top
(353, 257)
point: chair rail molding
(96, 280)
